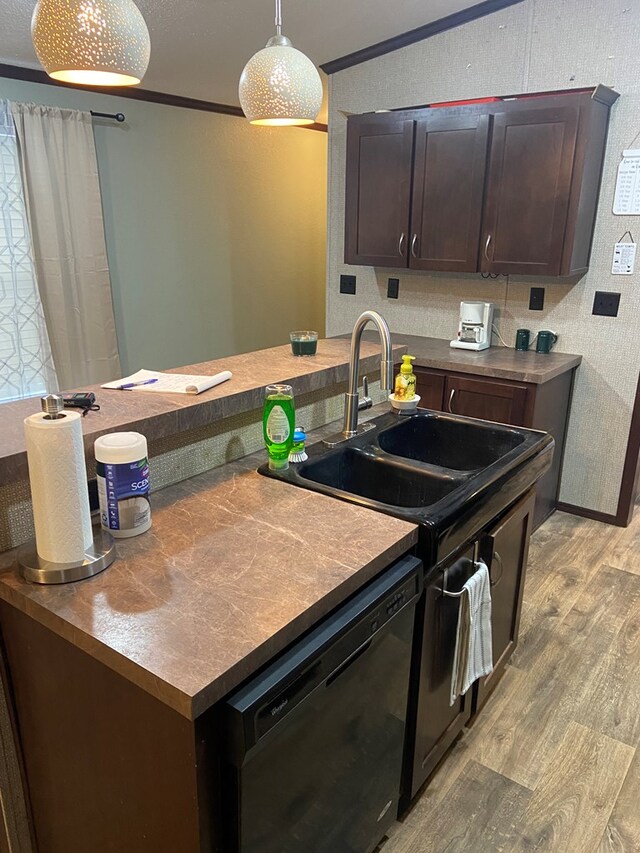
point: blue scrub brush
(297, 452)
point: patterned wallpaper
(534, 46)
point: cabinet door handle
(498, 560)
(413, 246)
(453, 391)
(486, 249)
(401, 245)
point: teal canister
(546, 340)
(523, 338)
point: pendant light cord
(279, 17)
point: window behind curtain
(26, 366)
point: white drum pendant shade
(91, 42)
(280, 86)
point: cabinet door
(430, 387)
(378, 191)
(505, 550)
(528, 189)
(436, 723)
(482, 398)
(448, 187)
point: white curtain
(62, 191)
(26, 365)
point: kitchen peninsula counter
(159, 415)
(235, 567)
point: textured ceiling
(199, 47)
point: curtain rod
(115, 116)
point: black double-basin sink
(447, 473)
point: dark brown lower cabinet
(543, 406)
(505, 549)
(437, 724)
(108, 766)
(431, 389)
(492, 401)
(434, 724)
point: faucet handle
(365, 402)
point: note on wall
(624, 259)
(627, 198)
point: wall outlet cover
(348, 284)
(393, 286)
(536, 299)
(606, 304)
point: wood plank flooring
(553, 762)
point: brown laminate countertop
(235, 567)
(160, 415)
(495, 362)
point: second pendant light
(280, 85)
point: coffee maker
(474, 328)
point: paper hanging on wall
(624, 259)
(627, 198)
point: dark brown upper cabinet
(504, 187)
(528, 191)
(445, 225)
(379, 191)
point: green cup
(546, 340)
(523, 338)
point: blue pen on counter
(135, 384)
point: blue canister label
(123, 491)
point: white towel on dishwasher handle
(473, 655)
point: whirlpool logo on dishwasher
(278, 708)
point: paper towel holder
(100, 554)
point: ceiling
(199, 47)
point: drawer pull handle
(451, 395)
(486, 248)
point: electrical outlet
(606, 304)
(393, 286)
(536, 299)
(348, 284)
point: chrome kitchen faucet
(352, 402)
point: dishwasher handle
(344, 666)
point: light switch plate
(606, 304)
(348, 284)
(536, 299)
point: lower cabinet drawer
(489, 400)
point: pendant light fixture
(279, 84)
(91, 42)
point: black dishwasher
(316, 739)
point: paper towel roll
(58, 487)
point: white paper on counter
(171, 383)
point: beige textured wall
(215, 229)
(533, 46)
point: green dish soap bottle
(278, 424)
(405, 387)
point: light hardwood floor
(553, 762)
